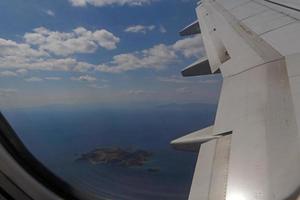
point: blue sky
(108, 52)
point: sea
(57, 135)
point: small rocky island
(118, 156)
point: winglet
(193, 141)
(193, 28)
(200, 67)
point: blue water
(57, 136)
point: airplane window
(93, 89)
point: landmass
(119, 157)
(153, 169)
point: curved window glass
(93, 89)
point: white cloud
(96, 86)
(4, 92)
(33, 79)
(180, 79)
(50, 13)
(22, 71)
(136, 92)
(11, 50)
(173, 79)
(8, 74)
(80, 40)
(190, 47)
(101, 3)
(183, 90)
(62, 64)
(8, 90)
(162, 29)
(36, 53)
(43, 63)
(84, 78)
(53, 78)
(156, 57)
(139, 29)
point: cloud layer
(43, 49)
(139, 29)
(87, 78)
(157, 57)
(101, 3)
(80, 40)
(50, 13)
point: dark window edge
(15, 147)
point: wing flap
(198, 68)
(193, 141)
(202, 176)
(210, 177)
(191, 29)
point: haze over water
(58, 136)
(76, 75)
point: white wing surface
(252, 152)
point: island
(153, 169)
(118, 156)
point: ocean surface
(58, 135)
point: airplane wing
(252, 152)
